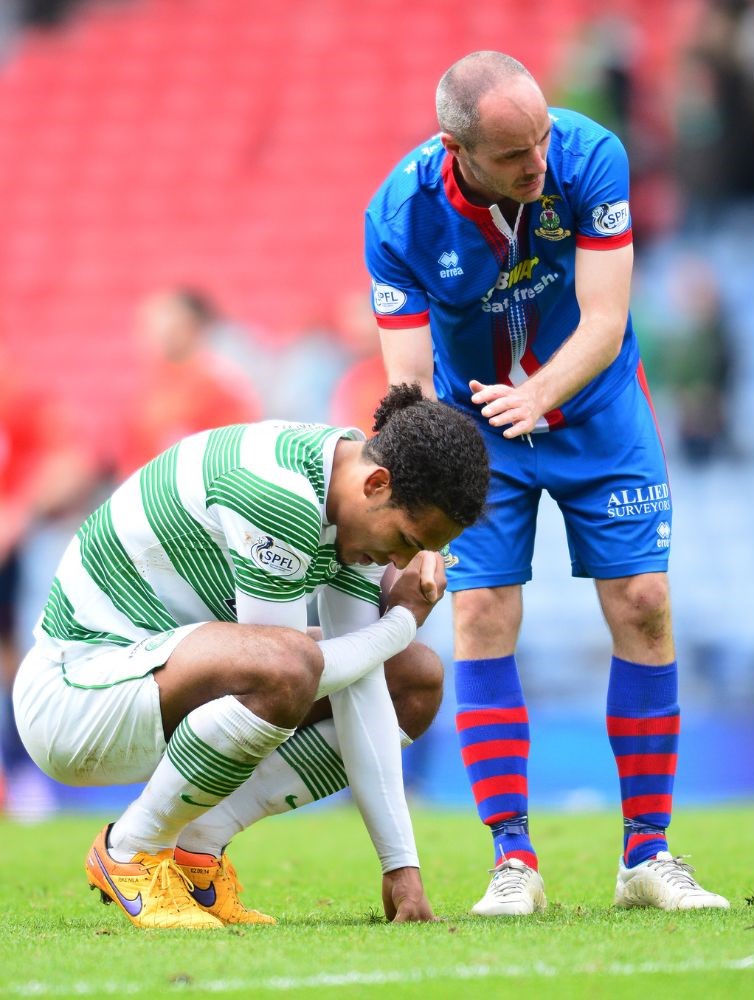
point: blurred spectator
(186, 385)
(715, 112)
(44, 13)
(597, 74)
(601, 76)
(9, 24)
(698, 361)
(45, 475)
(687, 350)
(330, 371)
(306, 370)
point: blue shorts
(609, 479)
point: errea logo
(663, 530)
(449, 264)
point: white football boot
(515, 890)
(666, 883)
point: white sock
(214, 749)
(307, 767)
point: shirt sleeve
(369, 736)
(398, 300)
(287, 614)
(272, 534)
(603, 214)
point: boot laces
(226, 869)
(675, 871)
(171, 880)
(509, 879)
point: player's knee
(647, 604)
(415, 681)
(283, 688)
(298, 673)
(488, 615)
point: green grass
(317, 873)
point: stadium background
(230, 146)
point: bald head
(461, 108)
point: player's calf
(308, 766)
(415, 682)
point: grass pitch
(316, 871)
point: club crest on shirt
(550, 227)
(448, 558)
(158, 640)
(272, 556)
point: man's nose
(538, 164)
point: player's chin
(530, 192)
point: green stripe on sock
(203, 766)
(316, 763)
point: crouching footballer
(174, 650)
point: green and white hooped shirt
(233, 518)
(227, 513)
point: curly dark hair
(435, 455)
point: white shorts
(95, 719)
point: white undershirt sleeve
(369, 739)
(351, 656)
(255, 611)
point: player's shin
(643, 723)
(306, 768)
(213, 751)
(493, 728)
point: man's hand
(420, 585)
(506, 404)
(403, 897)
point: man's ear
(452, 145)
(378, 483)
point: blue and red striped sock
(493, 728)
(643, 723)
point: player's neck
(477, 195)
(346, 457)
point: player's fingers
(486, 393)
(521, 413)
(414, 913)
(503, 405)
(428, 581)
(441, 578)
(477, 391)
(518, 428)
(492, 395)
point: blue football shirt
(500, 301)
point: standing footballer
(501, 254)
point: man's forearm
(580, 359)
(369, 742)
(351, 656)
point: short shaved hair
(463, 85)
